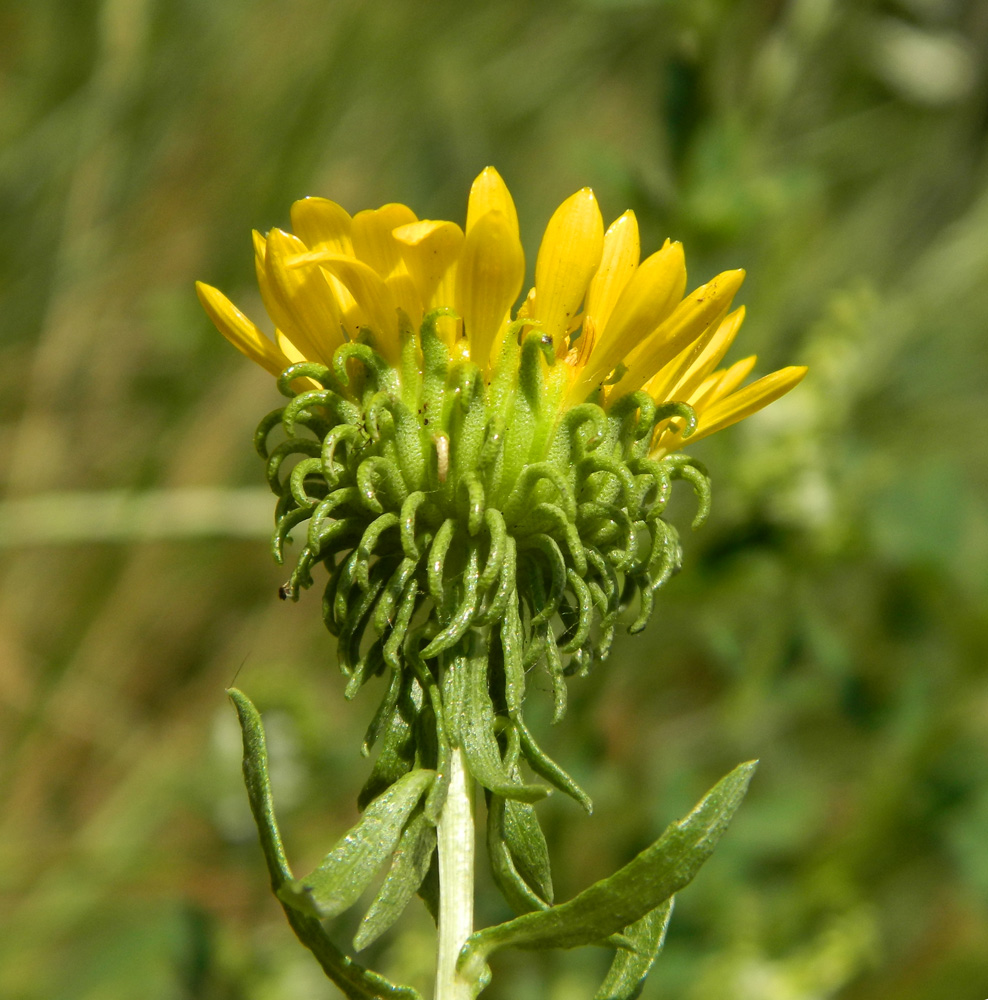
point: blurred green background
(831, 619)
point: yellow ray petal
(430, 251)
(373, 236)
(648, 298)
(374, 243)
(406, 295)
(688, 323)
(489, 193)
(377, 305)
(287, 348)
(618, 262)
(748, 400)
(279, 315)
(488, 279)
(721, 384)
(709, 390)
(582, 349)
(240, 331)
(277, 306)
(568, 258)
(715, 386)
(692, 365)
(321, 224)
(306, 296)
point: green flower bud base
(459, 519)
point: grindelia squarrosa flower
(483, 484)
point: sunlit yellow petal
(287, 348)
(279, 305)
(648, 298)
(584, 344)
(279, 316)
(240, 331)
(373, 236)
(368, 288)
(618, 262)
(710, 389)
(527, 308)
(306, 296)
(374, 243)
(748, 400)
(489, 277)
(490, 194)
(692, 365)
(430, 251)
(720, 384)
(321, 224)
(568, 258)
(689, 321)
(618, 325)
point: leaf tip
(244, 706)
(747, 769)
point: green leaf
(351, 865)
(353, 980)
(544, 766)
(622, 899)
(470, 716)
(408, 870)
(259, 787)
(396, 756)
(627, 973)
(518, 893)
(429, 889)
(525, 840)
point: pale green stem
(456, 853)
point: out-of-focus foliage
(832, 616)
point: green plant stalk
(456, 842)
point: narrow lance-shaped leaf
(357, 857)
(471, 717)
(408, 870)
(525, 840)
(620, 900)
(626, 976)
(544, 766)
(516, 891)
(353, 980)
(396, 756)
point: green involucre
(471, 532)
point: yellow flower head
(475, 477)
(483, 486)
(613, 323)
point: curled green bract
(471, 532)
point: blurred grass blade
(626, 976)
(625, 897)
(73, 516)
(353, 980)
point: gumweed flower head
(484, 482)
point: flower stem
(456, 853)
